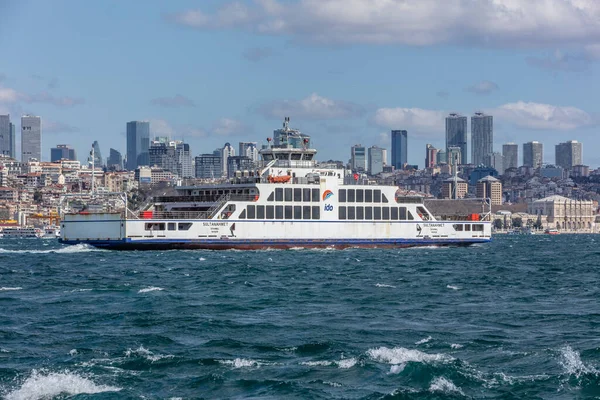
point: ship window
(383, 198)
(423, 213)
(288, 212)
(376, 196)
(410, 216)
(342, 195)
(368, 212)
(342, 212)
(316, 212)
(360, 212)
(385, 213)
(288, 194)
(359, 195)
(351, 213)
(394, 213)
(403, 213)
(270, 212)
(467, 227)
(368, 196)
(271, 197)
(351, 197)
(306, 195)
(305, 212)
(297, 194)
(315, 195)
(278, 212)
(478, 227)
(458, 227)
(279, 194)
(376, 213)
(171, 226)
(297, 212)
(242, 215)
(251, 212)
(155, 226)
(260, 212)
(184, 226)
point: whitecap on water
(571, 362)
(47, 385)
(202, 259)
(401, 355)
(77, 248)
(150, 289)
(7, 289)
(441, 384)
(423, 341)
(241, 363)
(147, 354)
(346, 363)
(384, 285)
(452, 287)
(456, 346)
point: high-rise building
(482, 137)
(533, 154)
(13, 141)
(496, 161)
(456, 134)
(98, 162)
(173, 156)
(358, 158)
(454, 156)
(115, 160)
(399, 148)
(238, 163)
(568, 154)
(430, 156)
(7, 136)
(62, 152)
(249, 149)
(375, 160)
(490, 187)
(510, 152)
(442, 157)
(208, 166)
(226, 152)
(31, 138)
(138, 143)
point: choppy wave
(344, 363)
(401, 355)
(241, 363)
(384, 285)
(443, 385)
(8, 289)
(76, 248)
(147, 354)
(150, 289)
(41, 385)
(423, 341)
(571, 362)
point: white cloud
(228, 127)
(542, 116)
(160, 127)
(505, 23)
(312, 107)
(9, 95)
(422, 122)
(483, 87)
(176, 101)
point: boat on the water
(21, 232)
(290, 202)
(552, 231)
(51, 232)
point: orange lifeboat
(279, 179)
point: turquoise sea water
(516, 318)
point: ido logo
(328, 207)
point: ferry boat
(290, 202)
(21, 232)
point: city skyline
(352, 80)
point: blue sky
(345, 71)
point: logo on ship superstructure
(327, 194)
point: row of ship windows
(171, 226)
(295, 194)
(312, 195)
(468, 227)
(281, 212)
(361, 195)
(375, 213)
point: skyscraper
(495, 160)
(456, 134)
(62, 152)
(226, 152)
(6, 136)
(31, 138)
(375, 160)
(173, 156)
(533, 154)
(482, 139)
(568, 154)
(510, 152)
(399, 148)
(249, 149)
(115, 160)
(13, 141)
(98, 162)
(358, 157)
(208, 166)
(138, 143)
(430, 156)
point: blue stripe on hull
(256, 244)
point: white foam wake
(77, 248)
(441, 384)
(150, 289)
(47, 385)
(571, 362)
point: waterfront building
(173, 156)
(490, 187)
(226, 152)
(115, 160)
(249, 149)
(208, 166)
(289, 138)
(358, 158)
(138, 144)
(62, 152)
(399, 148)
(7, 136)
(533, 154)
(376, 160)
(510, 152)
(430, 156)
(31, 138)
(153, 175)
(456, 135)
(568, 154)
(495, 160)
(239, 163)
(449, 185)
(482, 138)
(565, 214)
